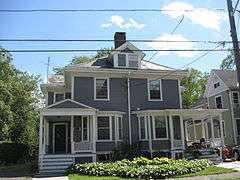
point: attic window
(126, 60)
(216, 85)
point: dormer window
(216, 85)
(126, 60)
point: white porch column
(40, 140)
(182, 131)
(149, 134)
(186, 130)
(221, 128)
(194, 131)
(212, 128)
(94, 137)
(44, 136)
(171, 135)
(72, 134)
(203, 129)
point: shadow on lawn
(19, 170)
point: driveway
(233, 165)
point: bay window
(81, 128)
(103, 128)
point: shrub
(141, 168)
(11, 153)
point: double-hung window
(119, 128)
(218, 101)
(235, 97)
(160, 127)
(155, 89)
(126, 60)
(81, 128)
(103, 128)
(142, 128)
(101, 89)
(58, 97)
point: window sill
(155, 99)
(101, 99)
(104, 140)
(160, 139)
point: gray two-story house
(222, 92)
(121, 99)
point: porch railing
(177, 144)
(83, 146)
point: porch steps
(55, 164)
(208, 154)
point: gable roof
(200, 102)
(68, 103)
(229, 77)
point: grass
(208, 171)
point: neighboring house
(117, 100)
(222, 91)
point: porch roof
(68, 107)
(186, 113)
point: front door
(60, 138)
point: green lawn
(208, 171)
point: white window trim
(216, 101)
(88, 129)
(154, 130)
(145, 128)
(148, 86)
(54, 96)
(110, 123)
(117, 127)
(233, 99)
(216, 83)
(108, 89)
(115, 61)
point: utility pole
(48, 64)
(234, 38)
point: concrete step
(62, 167)
(56, 164)
(57, 160)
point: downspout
(129, 110)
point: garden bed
(141, 168)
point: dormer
(126, 55)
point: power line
(111, 40)
(94, 50)
(186, 65)
(106, 10)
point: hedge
(141, 168)
(11, 153)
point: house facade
(113, 101)
(222, 92)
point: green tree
(84, 59)
(19, 94)
(194, 85)
(228, 62)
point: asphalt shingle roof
(229, 77)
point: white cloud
(173, 45)
(204, 17)
(122, 23)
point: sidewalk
(51, 178)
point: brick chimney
(119, 39)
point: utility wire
(111, 40)
(94, 50)
(105, 10)
(186, 65)
(173, 31)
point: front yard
(208, 171)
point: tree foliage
(228, 62)
(194, 85)
(84, 59)
(18, 104)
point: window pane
(119, 128)
(85, 134)
(133, 64)
(154, 86)
(122, 60)
(85, 122)
(235, 98)
(219, 102)
(101, 88)
(103, 121)
(160, 127)
(133, 60)
(176, 127)
(142, 128)
(59, 97)
(103, 134)
(103, 124)
(238, 126)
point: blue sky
(155, 25)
